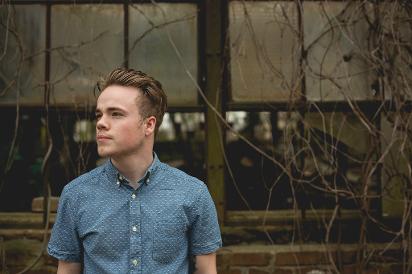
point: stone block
(302, 258)
(250, 259)
(37, 204)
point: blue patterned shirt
(109, 227)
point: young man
(133, 214)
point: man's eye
(116, 114)
(98, 116)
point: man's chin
(103, 153)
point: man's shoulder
(85, 180)
(181, 178)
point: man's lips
(102, 137)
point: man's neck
(133, 167)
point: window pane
(264, 51)
(66, 158)
(87, 42)
(23, 179)
(22, 58)
(396, 170)
(155, 30)
(255, 181)
(336, 43)
(396, 57)
(180, 142)
(337, 160)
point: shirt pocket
(168, 240)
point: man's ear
(150, 125)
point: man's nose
(101, 123)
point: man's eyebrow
(110, 109)
(115, 109)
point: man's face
(120, 129)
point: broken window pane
(337, 149)
(336, 42)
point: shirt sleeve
(205, 232)
(64, 242)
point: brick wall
(307, 259)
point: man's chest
(134, 225)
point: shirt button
(148, 180)
(134, 228)
(135, 262)
(117, 183)
(133, 196)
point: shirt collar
(114, 175)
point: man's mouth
(102, 137)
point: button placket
(135, 237)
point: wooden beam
(213, 91)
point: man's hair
(153, 101)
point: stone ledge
(37, 204)
(30, 220)
(35, 234)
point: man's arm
(69, 268)
(205, 264)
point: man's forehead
(112, 105)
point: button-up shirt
(109, 227)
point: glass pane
(163, 43)
(180, 142)
(22, 56)
(264, 51)
(337, 160)
(336, 43)
(87, 42)
(67, 158)
(396, 170)
(22, 179)
(254, 180)
(396, 50)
